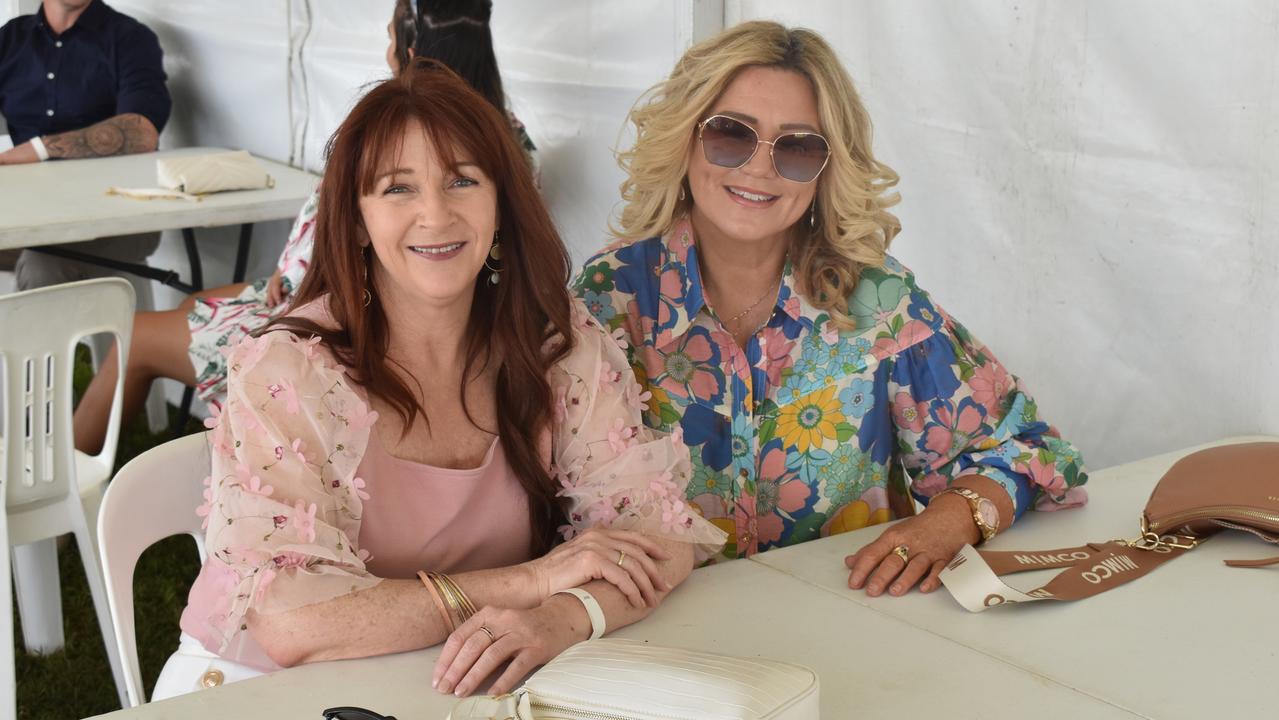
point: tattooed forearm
(121, 135)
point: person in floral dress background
(805, 365)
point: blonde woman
(802, 362)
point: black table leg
(242, 253)
(184, 412)
(193, 256)
(197, 284)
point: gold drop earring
(495, 254)
(368, 296)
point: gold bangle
(454, 609)
(468, 607)
(446, 592)
(435, 595)
(458, 601)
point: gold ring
(621, 557)
(903, 552)
(492, 637)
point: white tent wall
(1087, 186)
(1084, 184)
(572, 69)
(342, 46)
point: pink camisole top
(421, 517)
(417, 517)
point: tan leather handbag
(1230, 487)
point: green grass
(76, 681)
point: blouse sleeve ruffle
(614, 471)
(960, 412)
(283, 503)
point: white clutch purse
(213, 172)
(190, 177)
(614, 679)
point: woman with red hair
(399, 454)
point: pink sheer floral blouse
(303, 505)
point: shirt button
(50, 76)
(58, 44)
(49, 113)
(212, 679)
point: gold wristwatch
(985, 514)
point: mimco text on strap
(1231, 487)
(973, 575)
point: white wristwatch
(593, 610)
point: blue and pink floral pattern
(804, 432)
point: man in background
(79, 80)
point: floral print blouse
(804, 432)
(283, 504)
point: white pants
(193, 668)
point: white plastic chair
(153, 497)
(50, 489)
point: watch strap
(593, 610)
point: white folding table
(870, 665)
(66, 201)
(1193, 639)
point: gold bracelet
(466, 608)
(466, 600)
(435, 595)
(457, 599)
(455, 609)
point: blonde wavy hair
(853, 227)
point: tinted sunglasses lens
(800, 157)
(727, 142)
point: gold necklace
(733, 320)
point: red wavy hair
(522, 323)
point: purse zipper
(1213, 513)
(576, 713)
(1245, 528)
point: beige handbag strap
(972, 577)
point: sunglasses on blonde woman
(728, 142)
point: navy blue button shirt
(104, 65)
